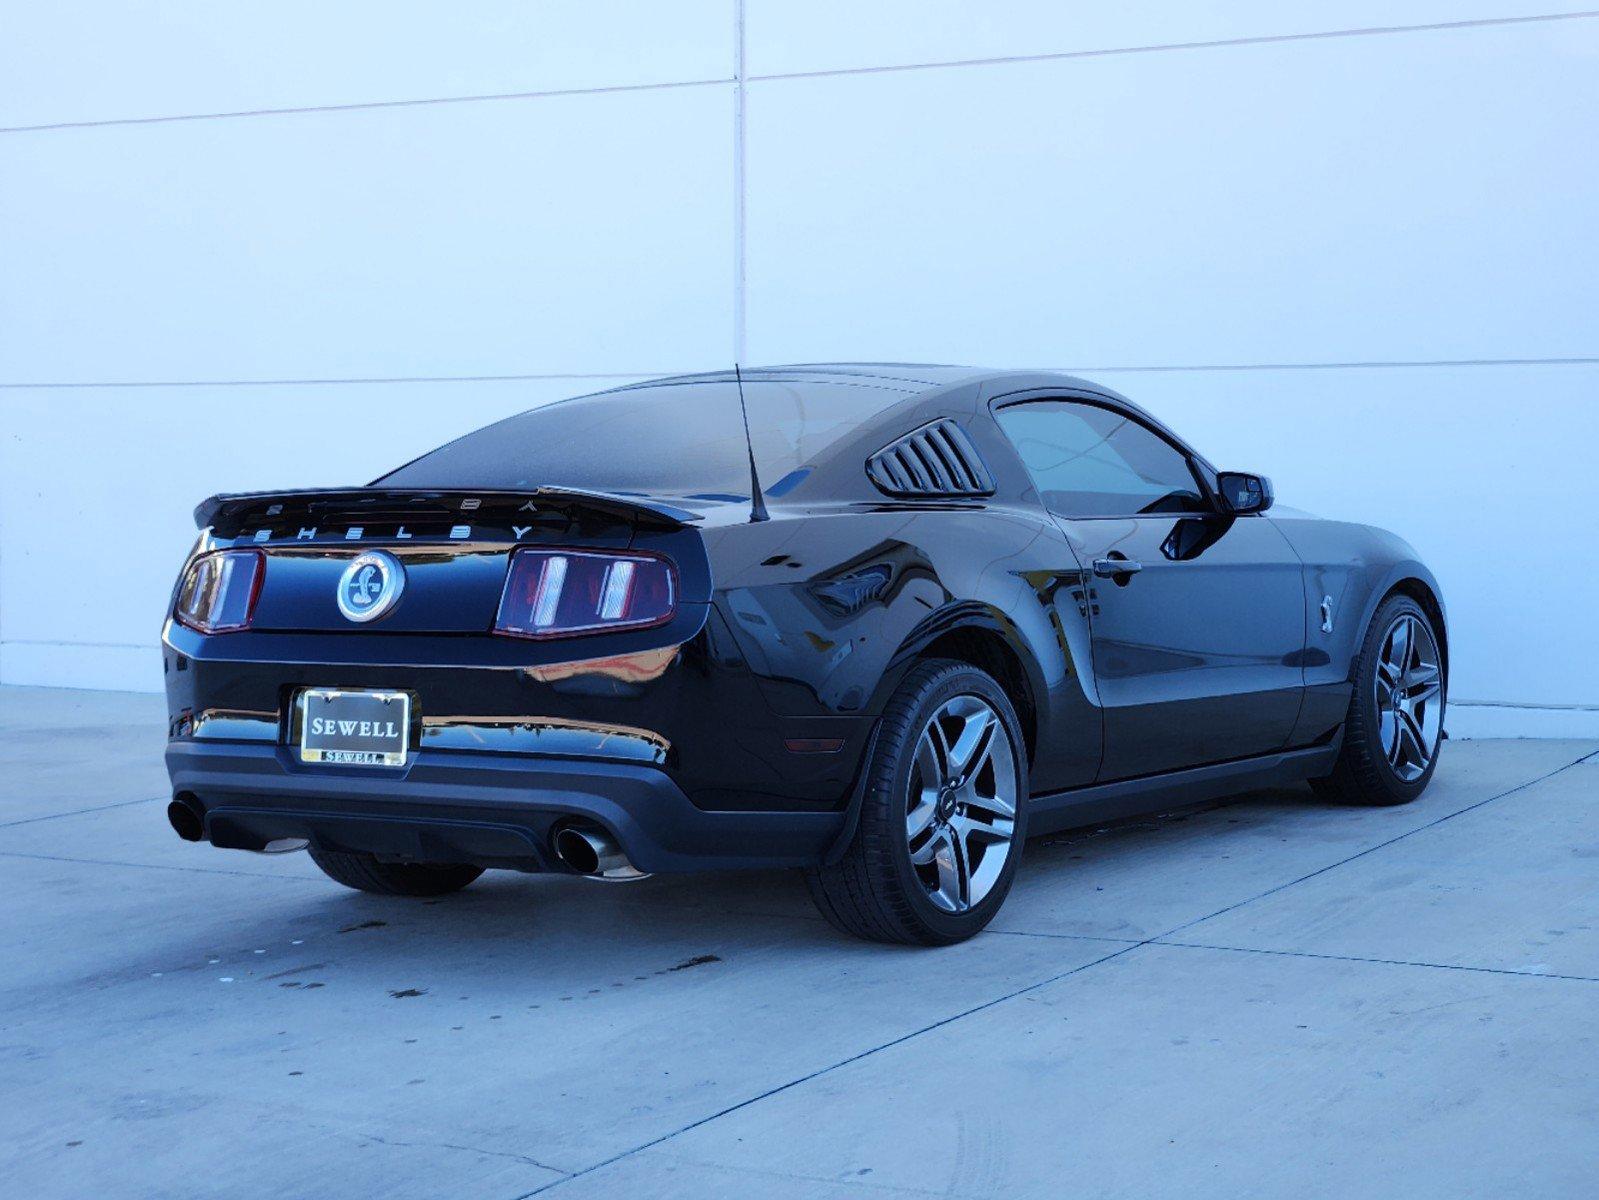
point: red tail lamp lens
(558, 593)
(218, 594)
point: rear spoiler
(373, 502)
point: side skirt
(1151, 793)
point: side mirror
(1243, 493)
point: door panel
(1197, 618)
(1197, 654)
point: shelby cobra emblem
(370, 586)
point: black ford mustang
(959, 607)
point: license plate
(357, 729)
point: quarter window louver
(936, 460)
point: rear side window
(1088, 461)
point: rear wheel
(943, 818)
(366, 873)
(1395, 724)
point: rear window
(678, 439)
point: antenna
(757, 501)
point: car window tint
(682, 440)
(1088, 461)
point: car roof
(899, 386)
(910, 378)
(903, 377)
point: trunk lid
(454, 546)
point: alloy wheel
(960, 813)
(1409, 687)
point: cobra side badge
(370, 585)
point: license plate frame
(388, 745)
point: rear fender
(964, 616)
(830, 610)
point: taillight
(557, 593)
(218, 594)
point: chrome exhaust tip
(593, 853)
(187, 821)
(284, 846)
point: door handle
(1109, 568)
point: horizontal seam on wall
(359, 105)
(1523, 704)
(1375, 364)
(79, 645)
(372, 379)
(999, 60)
(1218, 43)
(161, 383)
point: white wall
(281, 244)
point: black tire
(365, 873)
(1362, 774)
(873, 892)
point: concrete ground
(1267, 998)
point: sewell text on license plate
(354, 728)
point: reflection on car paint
(237, 725)
(627, 668)
(544, 735)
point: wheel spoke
(1411, 739)
(953, 879)
(925, 781)
(995, 806)
(938, 747)
(929, 761)
(1419, 675)
(997, 829)
(974, 744)
(1416, 699)
(1392, 737)
(920, 818)
(925, 853)
(1399, 656)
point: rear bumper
(488, 809)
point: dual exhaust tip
(187, 819)
(593, 853)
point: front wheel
(943, 818)
(1395, 724)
